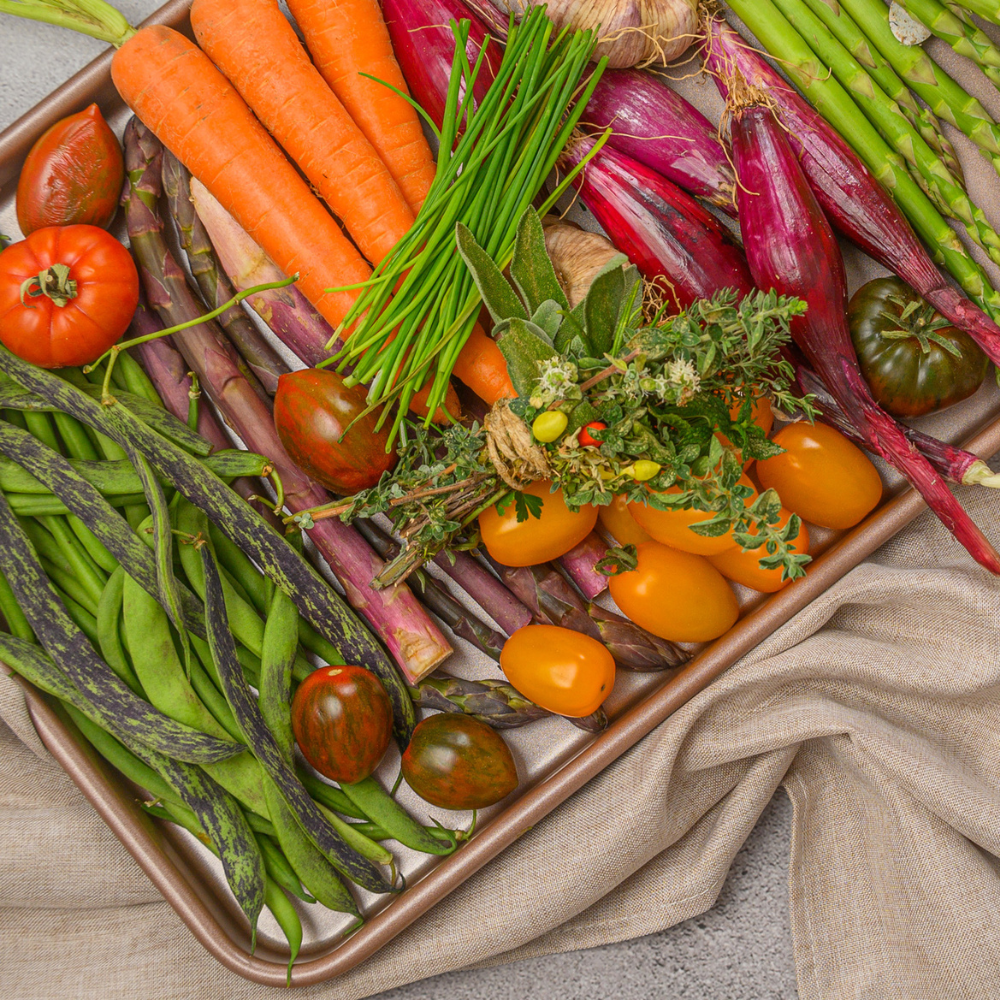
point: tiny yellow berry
(548, 426)
(644, 469)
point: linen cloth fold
(876, 708)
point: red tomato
(312, 410)
(675, 595)
(585, 439)
(744, 567)
(72, 175)
(567, 672)
(538, 539)
(457, 762)
(673, 527)
(66, 295)
(822, 476)
(342, 720)
(620, 523)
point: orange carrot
(198, 115)
(254, 45)
(483, 368)
(347, 38)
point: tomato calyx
(919, 320)
(54, 283)
(618, 560)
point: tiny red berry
(586, 440)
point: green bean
(312, 868)
(74, 437)
(373, 830)
(136, 511)
(260, 825)
(324, 835)
(365, 846)
(238, 589)
(258, 587)
(280, 870)
(90, 576)
(278, 653)
(81, 616)
(120, 757)
(288, 920)
(318, 644)
(327, 795)
(211, 697)
(17, 624)
(109, 639)
(136, 380)
(95, 549)
(69, 586)
(41, 427)
(372, 799)
(33, 505)
(15, 417)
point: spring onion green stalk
(925, 121)
(833, 102)
(943, 95)
(887, 118)
(418, 309)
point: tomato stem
(54, 283)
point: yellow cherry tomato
(620, 523)
(744, 567)
(821, 476)
(538, 539)
(548, 426)
(673, 527)
(564, 671)
(675, 595)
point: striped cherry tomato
(342, 720)
(564, 671)
(619, 522)
(536, 539)
(675, 595)
(821, 476)
(744, 566)
(673, 527)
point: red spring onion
(669, 236)
(655, 125)
(792, 249)
(853, 199)
(954, 464)
(425, 48)
(580, 562)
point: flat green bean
(40, 426)
(81, 617)
(370, 797)
(109, 639)
(17, 624)
(280, 870)
(74, 437)
(91, 577)
(95, 548)
(69, 587)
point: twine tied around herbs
(517, 457)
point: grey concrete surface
(739, 950)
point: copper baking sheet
(555, 760)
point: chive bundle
(416, 312)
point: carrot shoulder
(348, 38)
(254, 45)
(198, 115)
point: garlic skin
(631, 32)
(577, 257)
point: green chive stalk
(888, 119)
(834, 103)
(963, 36)
(416, 312)
(925, 121)
(945, 97)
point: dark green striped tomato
(342, 720)
(313, 410)
(457, 762)
(914, 360)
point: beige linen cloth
(877, 709)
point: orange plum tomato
(567, 672)
(342, 721)
(456, 762)
(537, 539)
(619, 522)
(744, 566)
(761, 414)
(673, 527)
(675, 595)
(67, 293)
(313, 409)
(821, 476)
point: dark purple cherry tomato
(342, 720)
(457, 762)
(312, 410)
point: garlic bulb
(631, 32)
(577, 257)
